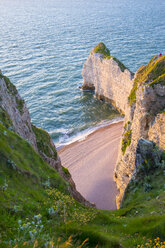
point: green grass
(66, 171)
(36, 207)
(29, 187)
(159, 80)
(20, 105)
(151, 74)
(102, 49)
(13, 91)
(5, 119)
(132, 96)
(126, 141)
(44, 142)
(11, 87)
(120, 64)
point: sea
(44, 44)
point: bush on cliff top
(102, 49)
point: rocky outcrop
(156, 132)
(108, 76)
(142, 99)
(14, 105)
(147, 156)
(15, 116)
(144, 118)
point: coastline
(91, 162)
(82, 135)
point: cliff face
(142, 100)
(14, 105)
(14, 115)
(144, 119)
(109, 77)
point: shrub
(126, 141)
(102, 49)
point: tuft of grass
(20, 105)
(11, 87)
(151, 74)
(66, 171)
(120, 64)
(126, 141)
(13, 91)
(102, 49)
(132, 96)
(5, 119)
(159, 80)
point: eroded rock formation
(142, 99)
(108, 76)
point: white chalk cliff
(110, 80)
(141, 99)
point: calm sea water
(44, 43)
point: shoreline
(82, 135)
(91, 163)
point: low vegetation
(132, 96)
(120, 64)
(44, 142)
(11, 87)
(102, 49)
(151, 74)
(5, 119)
(38, 211)
(20, 105)
(126, 140)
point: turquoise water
(44, 43)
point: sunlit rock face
(110, 79)
(141, 99)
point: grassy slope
(27, 186)
(24, 183)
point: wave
(82, 135)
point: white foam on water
(80, 136)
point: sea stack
(111, 80)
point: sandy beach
(91, 163)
